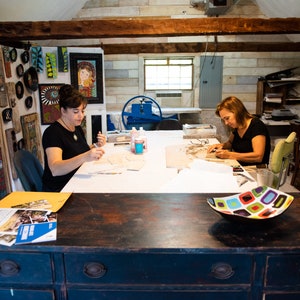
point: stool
(295, 126)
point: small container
(142, 135)
(133, 136)
(139, 146)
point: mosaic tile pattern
(260, 203)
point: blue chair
(29, 170)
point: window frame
(169, 64)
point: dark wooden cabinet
(26, 276)
(156, 246)
(282, 88)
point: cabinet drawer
(157, 295)
(20, 294)
(146, 268)
(283, 270)
(282, 296)
(25, 268)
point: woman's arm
(226, 145)
(59, 167)
(258, 145)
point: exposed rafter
(146, 27)
(19, 33)
(198, 47)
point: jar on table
(139, 145)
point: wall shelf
(280, 87)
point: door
(211, 78)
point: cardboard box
(199, 131)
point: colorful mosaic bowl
(261, 203)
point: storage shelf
(273, 87)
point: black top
(244, 144)
(71, 143)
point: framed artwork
(32, 135)
(49, 97)
(86, 71)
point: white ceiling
(39, 10)
(46, 10)
(281, 9)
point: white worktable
(120, 171)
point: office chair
(280, 160)
(169, 124)
(29, 170)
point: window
(168, 74)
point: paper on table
(115, 163)
(35, 200)
(181, 156)
(203, 177)
(211, 167)
(121, 183)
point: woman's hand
(95, 154)
(101, 139)
(214, 148)
(223, 153)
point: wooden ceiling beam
(145, 27)
(197, 47)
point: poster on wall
(49, 102)
(86, 71)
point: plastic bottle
(133, 135)
(142, 136)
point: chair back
(29, 170)
(281, 157)
(169, 124)
(283, 148)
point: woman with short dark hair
(64, 142)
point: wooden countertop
(166, 221)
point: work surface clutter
(169, 163)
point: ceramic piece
(25, 57)
(31, 79)
(261, 203)
(19, 89)
(28, 102)
(20, 70)
(13, 54)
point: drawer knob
(9, 268)
(222, 271)
(94, 270)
